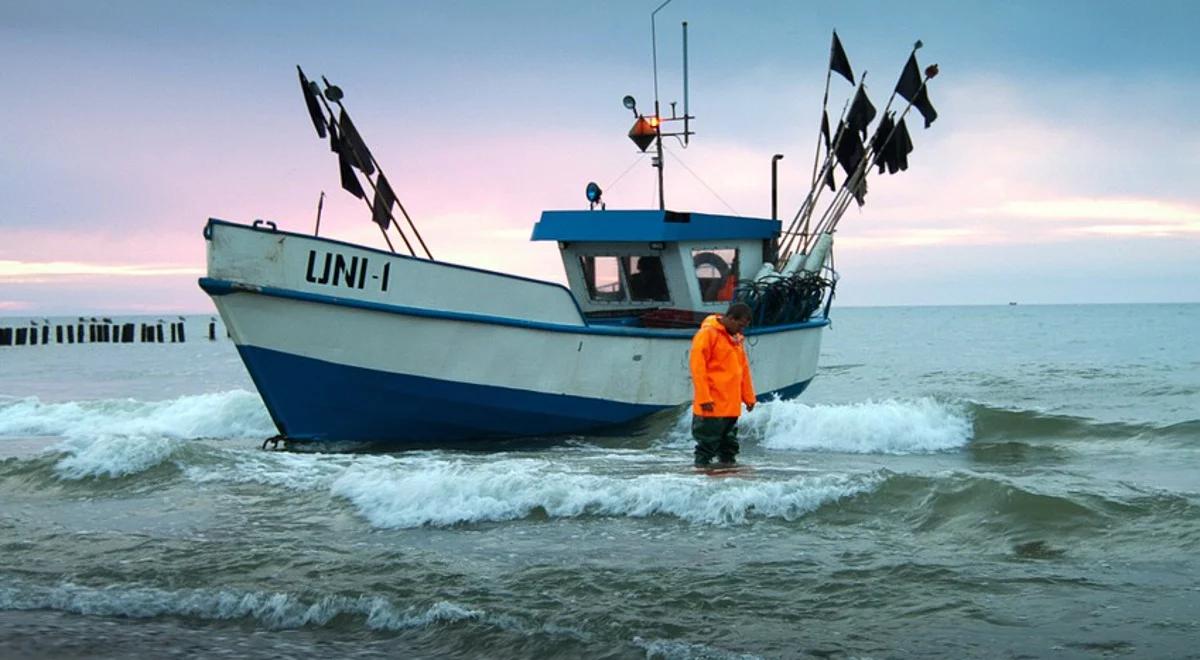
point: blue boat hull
(315, 400)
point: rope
(702, 182)
(783, 300)
(627, 171)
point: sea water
(958, 482)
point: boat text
(339, 270)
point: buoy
(820, 251)
(794, 263)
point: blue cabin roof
(640, 226)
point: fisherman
(721, 380)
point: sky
(1063, 167)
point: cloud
(43, 271)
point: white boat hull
(446, 354)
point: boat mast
(658, 159)
(649, 129)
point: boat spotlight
(593, 195)
(630, 104)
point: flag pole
(400, 204)
(333, 122)
(320, 204)
(837, 208)
(807, 234)
(860, 172)
(824, 118)
(375, 191)
(810, 200)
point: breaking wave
(873, 427)
(118, 437)
(410, 492)
(276, 610)
(451, 493)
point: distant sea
(958, 482)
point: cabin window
(603, 278)
(647, 281)
(716, 273)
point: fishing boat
(488, 355)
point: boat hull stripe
(215, 287)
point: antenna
(648, 130)
(654, 51)
(686, 132)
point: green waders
(715, 437)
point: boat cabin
(656, 268)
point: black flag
(349, 181)
(360, 155)
(892, 155)
(838, 60)
(900, 147)
(909, 86)
(860, 191)
(861, 113)
(310, 100)
(381, 210)
(829, 179)
(850, 153)
(825, 128)
(880, 142)
(849, 149)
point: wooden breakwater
(104, 330)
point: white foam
(117, 437)
(294, 471)
(667, 649)
(872, 427)
(442, 493)
(277, 610)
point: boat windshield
(603, 278)
(646, 278)
(716, 272)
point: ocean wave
(1000, 424)
(118, 437)
(276, 610)
(449, 493)
(421, 490)
(666, 649)
(871, 427)
(1025, 511)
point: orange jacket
(720, 371)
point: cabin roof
(640, 226)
